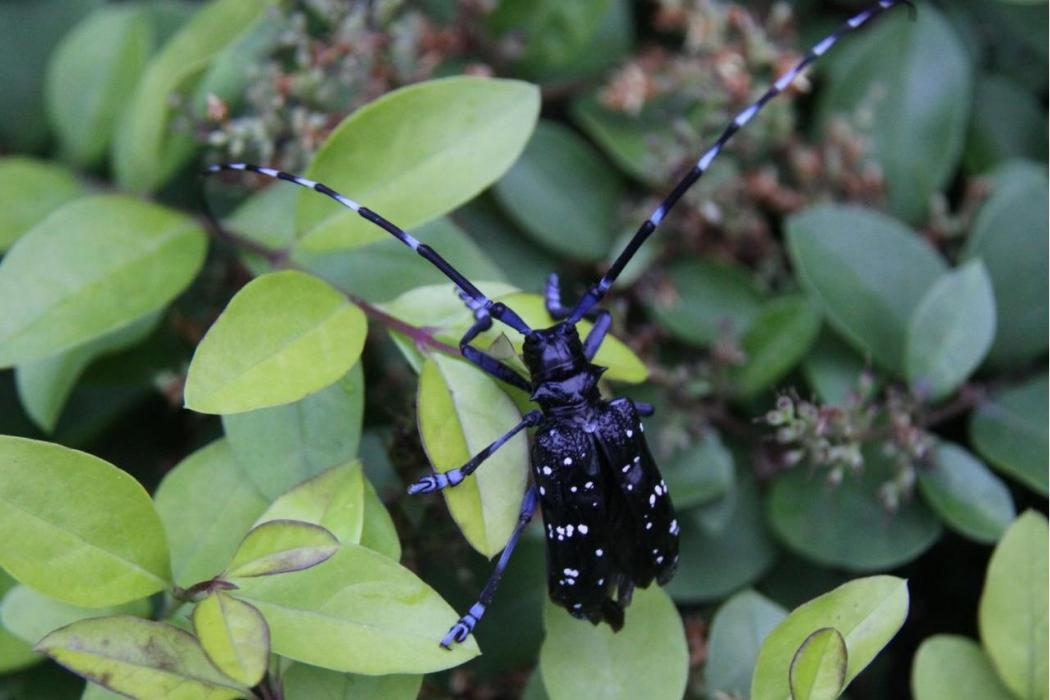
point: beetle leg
(466, 624)
(486, 363)
(597, 334)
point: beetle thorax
(562, 376)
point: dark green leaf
(1009, 235)
(846, 525)
(866, 271)
(833, 369)
(1010, 431)
(284, 445)
(722, 552)
(699, 472)
(625, 139)
(736, 635)
(563, 193)
(915, 78)
(302, 682)
(777, 340)
(1008, 122)
(950, 331)
(967, 496)
(706, 301)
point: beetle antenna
(595, 293)
(477, 299)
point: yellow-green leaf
(358, 612)
(647, 659)
(334, 500)
(31, 615)
(460, 412)
(949, 667)
(280, 546)
(94, 266)
(302, 682)
(283, 336)
(139, 658)
(76, 528)
(818, 671)
(415, 154)
(867, 613)
(234, 635)
(1012, 616)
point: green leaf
(833, 369)
(29, 32)
(30, 190)
(460, 412)
(818, 670)
(359, 612)
(381, 270)
(15, 653)
(91, 75)
(914, 78)
(706, 301)
(867, 612)
(284, 445)
(234, 635)
(561, 42)
(31, 615)
(1012, 615)
(44, 385)
(1008, 122)
(1010, 431)
(333, 500)
(948, 667)
(283, 336)
(94, 266)
(699, 473)
(846, 525)
(1009, 236)
(281, 546)
(724, 546)
(648, 658)
(139, 658)
(866, 271)
(777, 340)
(93, 691)
(562, 184)
(736, 635)
(76, 528)
(207, 505)
(378, 532)
(951, 331)
(624, 138)
(302, 682)
(966, 495)
(415, 154)
(146, 149)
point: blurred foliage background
(845, 322)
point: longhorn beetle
(610, 525)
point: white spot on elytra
(630, 433)
(652, 500)
(626, 468)
(674, 527)
(543, 491)
(630, 487)
(601, 581)
(568, 530)
(648, 526)
(599, 552)
(567, 461)
(583, 529)
(546, 470)
(659, 560)
(572, 489)
(571, 573)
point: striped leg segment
(595, 294)
(552, 300)
(454, 477)
(466, 624)
(508, 317)
(597, 335)
(486, 363)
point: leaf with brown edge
(280, 546)
(234, 635)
